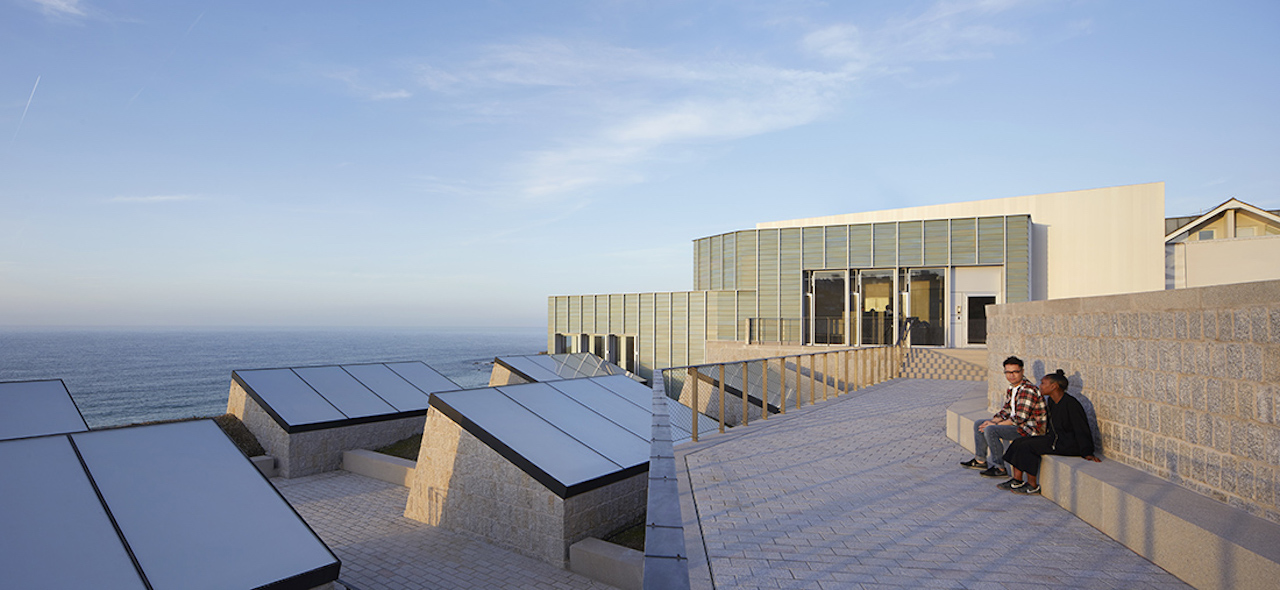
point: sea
(123, 376)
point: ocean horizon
(124, 375)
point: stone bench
(1206, 543)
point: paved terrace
(865, 492)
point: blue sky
(426, 164)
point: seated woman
(1067, 433)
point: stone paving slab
(866, 492)
(361, 520)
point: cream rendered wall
(1221, 262)
(1084, 243)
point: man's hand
(1092, 458)
(983, 427)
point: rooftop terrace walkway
(865, 491)
(361, 520)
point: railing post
(745, 378)
(825, 373)
(799, 392)
(813, 381)
(764, 394)
(782, 394)
(721, 397)
(693, 376)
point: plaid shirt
(1028, 411)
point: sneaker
(1027, 489)
(994, 472)
(974, 464)
(1011, 484)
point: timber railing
(737, 392)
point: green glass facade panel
(697, 319)
(575, 314)
(729, 266)
(746, 309)
(910, 243)
(632, 314)
(937, 242)
(964, 241)
(662, 330)
(716, 262)
(648, 330)
(702, 264)
(790, 275)
(1017, 269)
(617, 314)
(884, 248)
(860, 246)
(814, 245)
(746, 273)
(602, 315)
(837, 237)
(553, 324)
(990, 240)
(680, 328)
(588, 307)
(768, 286)
(725, 315)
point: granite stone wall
(316, 451)
(469, 487)
(1183, 383)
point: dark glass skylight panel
(581, 422)
(423, 377)
(54, 532)
(588, 392)
(37, 408)
(390, 386)
(197, 514)
(289, 397)
(543, 446)
(342, 390)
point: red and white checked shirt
(1028, 410)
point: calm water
(120, 376)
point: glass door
(826, 307)
(924, 304)
(876, 316)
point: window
(1205, 235)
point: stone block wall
(1183, 383)
(469, 487)
(316, 451)
(501, 375)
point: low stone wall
(316, 451)
(1183, 383)
(501, 375)
(467, 486)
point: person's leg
(995, 437)
(979, 444)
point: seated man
(1068, 433)
(1022, 415)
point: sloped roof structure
(553, 367)
(166, 506)
(301, 399)
(37, 408)
(572, 435)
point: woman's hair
(1059, 378)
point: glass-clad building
(918, 275)
(925, 282)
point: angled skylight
(311, 398)
(37, 408)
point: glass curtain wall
(876, 317)
(924, 297)
(827, 319)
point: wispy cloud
(155, 199)
(631, 107)
(61, 9)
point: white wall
(1222, 262)
(1084, 243)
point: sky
(454, 163)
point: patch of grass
(631, 537)
(405, 449)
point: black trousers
(1025, 452)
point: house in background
(919, 275)
(1234, 242)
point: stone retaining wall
(1183, 383)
